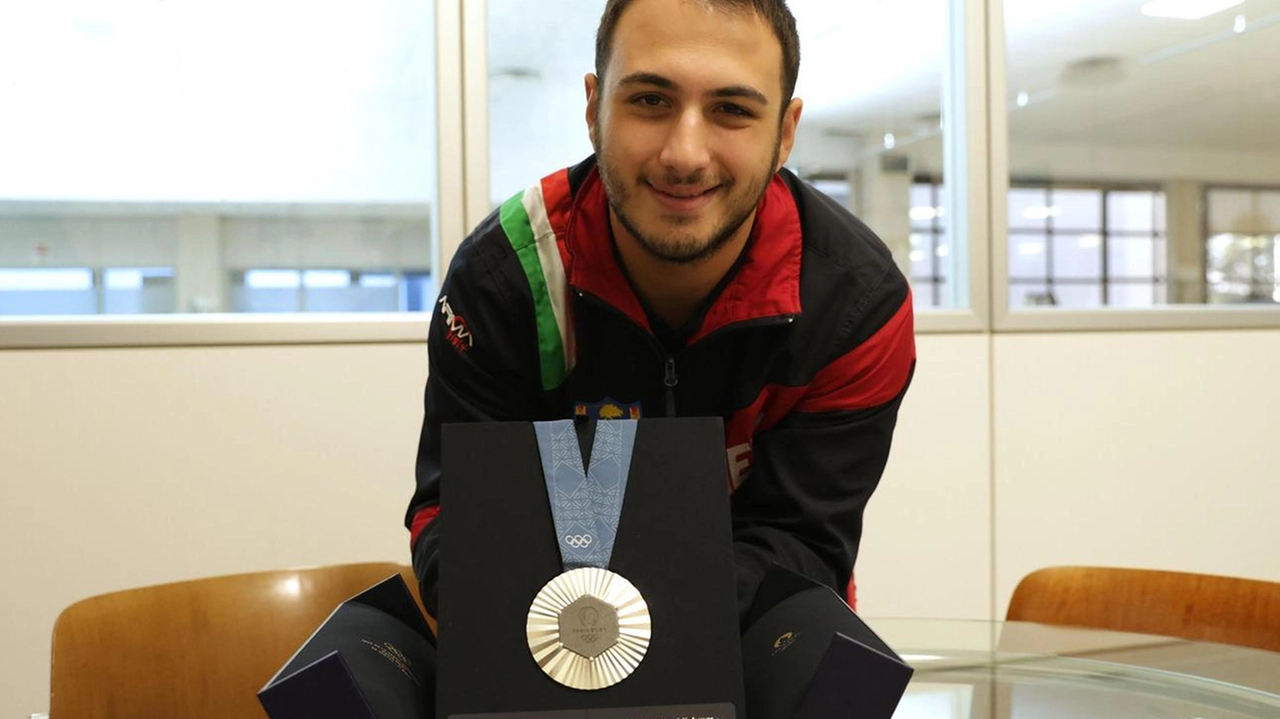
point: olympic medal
(588, 628)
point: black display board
(674, 543)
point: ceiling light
(1241, 25)
(1023, 99)
(1187, 9)
(890, 141)
(923, 213)
(1041, 212)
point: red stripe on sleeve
(558, 199)
(870, 374)
(420, 522)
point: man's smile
(681, 198)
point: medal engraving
(597, 590)
(589, 627)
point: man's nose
(687, 148)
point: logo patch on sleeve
(607, 408)
(456, 329)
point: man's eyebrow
(647, 78)
(740, 92)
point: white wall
(1149, 449)
(926, 546)
(134, 466)
(131, 467)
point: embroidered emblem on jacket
(607, 408)
(458, 333)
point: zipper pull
(670, 380)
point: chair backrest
(1203, 607)
(196, 649)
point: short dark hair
(775, 12)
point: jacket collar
(766, 285)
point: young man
(680, 271)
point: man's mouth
(683, 198)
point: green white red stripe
(524, 219)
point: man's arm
(813, 473)
(480, 369)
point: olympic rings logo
(578, 541)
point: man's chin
(679, 251)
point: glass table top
(1015, 670)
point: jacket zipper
(669, 377)
(671, 380)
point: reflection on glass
(1242, 250)
(872, 131)
(170, 148)
(1154, 131)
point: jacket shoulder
(851, 286)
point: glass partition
(876, 79)
(1144, 152)
(226, 156)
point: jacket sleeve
(478, 370)
(814, 471)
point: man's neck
(675, 291)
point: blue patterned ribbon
(586, 506)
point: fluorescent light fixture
(1242, 24)
(123, 279)
(890, 141)
(1187, 9)
(326, 278)
(1030, 249)
(31, 280)
(1041, 212)
(916, 240)
(917, 256)
(381, 279)
(923, 214)
(272, 279)
(1088, 242)
(1023, 99)
(942, 251)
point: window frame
(977, 157)
(1040, 319)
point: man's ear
(592, 86)
(787, 132)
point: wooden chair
(199, 649)
(1202, 607)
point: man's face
(686, 124)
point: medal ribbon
(586, 505)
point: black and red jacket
(805, 352)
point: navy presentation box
(373, 658)
(808, 656)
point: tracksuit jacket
(805, 351)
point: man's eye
(649, 100)
(737, 110)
